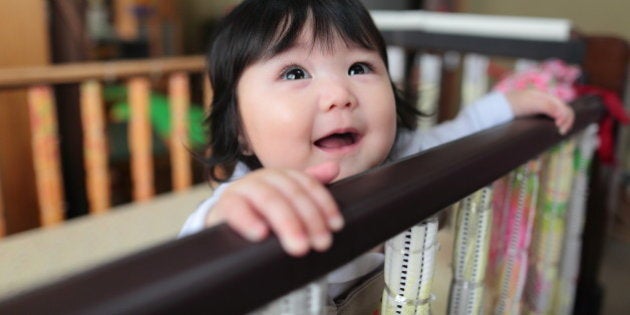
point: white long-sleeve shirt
(489, 111)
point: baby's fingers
(279, 214)
(304, 198)
(568, 121)
(319, 175)
(563, 117)
(241, 217)
(322, 198)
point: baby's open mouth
(337, 140)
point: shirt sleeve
(196, 221)
(489, 111)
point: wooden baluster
(207, 93)
(140, 139)
(46, 154)
(179, 139)
(95, 144)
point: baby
(303, 98)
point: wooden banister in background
(90, 76)
(217, 271)
(104, 71)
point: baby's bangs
(350, 22)
(329, 20)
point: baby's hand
(294, 205)
(531, 102)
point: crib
(238, 277)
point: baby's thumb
(325, 172)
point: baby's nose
(337, 94)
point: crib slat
(208, 93)
(46, 154)
(470, 252)
(430, 75)
(408, 271)
(549, 228)
(95, 144)
(474, 77)
(514, 213)
(179, 140)
(565, 290)
(139, 137)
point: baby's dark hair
(259, 29)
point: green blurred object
(159, 114)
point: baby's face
(310, 105)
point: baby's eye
(359, 68)
(295, 73)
